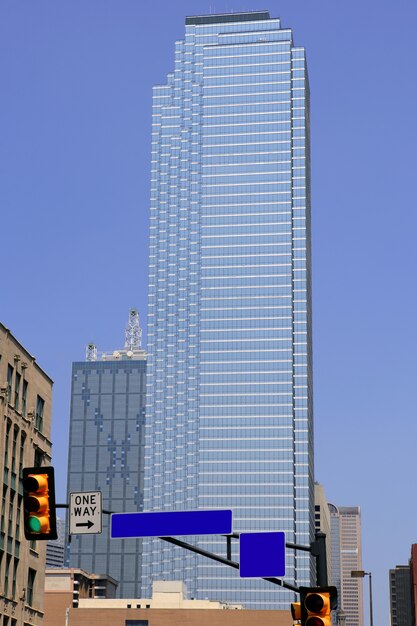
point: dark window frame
(40, 408)
(31, 586)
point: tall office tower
(229, 393)
(400, 596)
(346, 557)
(25, 441)
(106, 452)
(55, 550)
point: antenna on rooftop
(133, 332)
(91, 352)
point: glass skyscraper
(229, 392)
(106, 453)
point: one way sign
(85, 513)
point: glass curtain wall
(106, 454)
(229, 396)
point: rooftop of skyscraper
(132, 349)
(247, 16)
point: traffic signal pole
(317, 549)
(220, 559)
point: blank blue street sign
(262, 555)
(171, 523)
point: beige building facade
(168, 606)
(347, 557)
(25, 427)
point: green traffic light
(34, 524)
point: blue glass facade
(229, 395)
(106, 454)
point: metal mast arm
(220, 559)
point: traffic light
(296, 611)
(317, 604)
(39, 512)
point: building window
(40, 405)
(136, 622)
(6, 575)
(12, 496)
(14, 448)
(3, 512)
(38, 457)
(15, 567)
(9, 383)
(31, 586)
(19, 513)
(6, 449)
(24, 397)
(22, 453)
(17, 391)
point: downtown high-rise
(229, 387)
(106, 453)
(346, 556)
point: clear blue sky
(75, 115)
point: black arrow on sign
(88, 524)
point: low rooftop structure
(167, 607)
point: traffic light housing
(39, 511)
(296, 611)
(317, 604)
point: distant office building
(346, 547)
(25, 427)
(229, 395)
(66, 587)
(55, 550)
(400, 596)
(106, 452)
(413, 573)
(322, 524)
(403, 592)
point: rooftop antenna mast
(91, 352)
(133, 332)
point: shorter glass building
(106, 454)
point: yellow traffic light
(39, 503)
(317, 604)
(296, 611)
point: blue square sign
(262, 555)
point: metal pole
(370, 599)
(229, 548)
(220, 559)
(319, 551)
